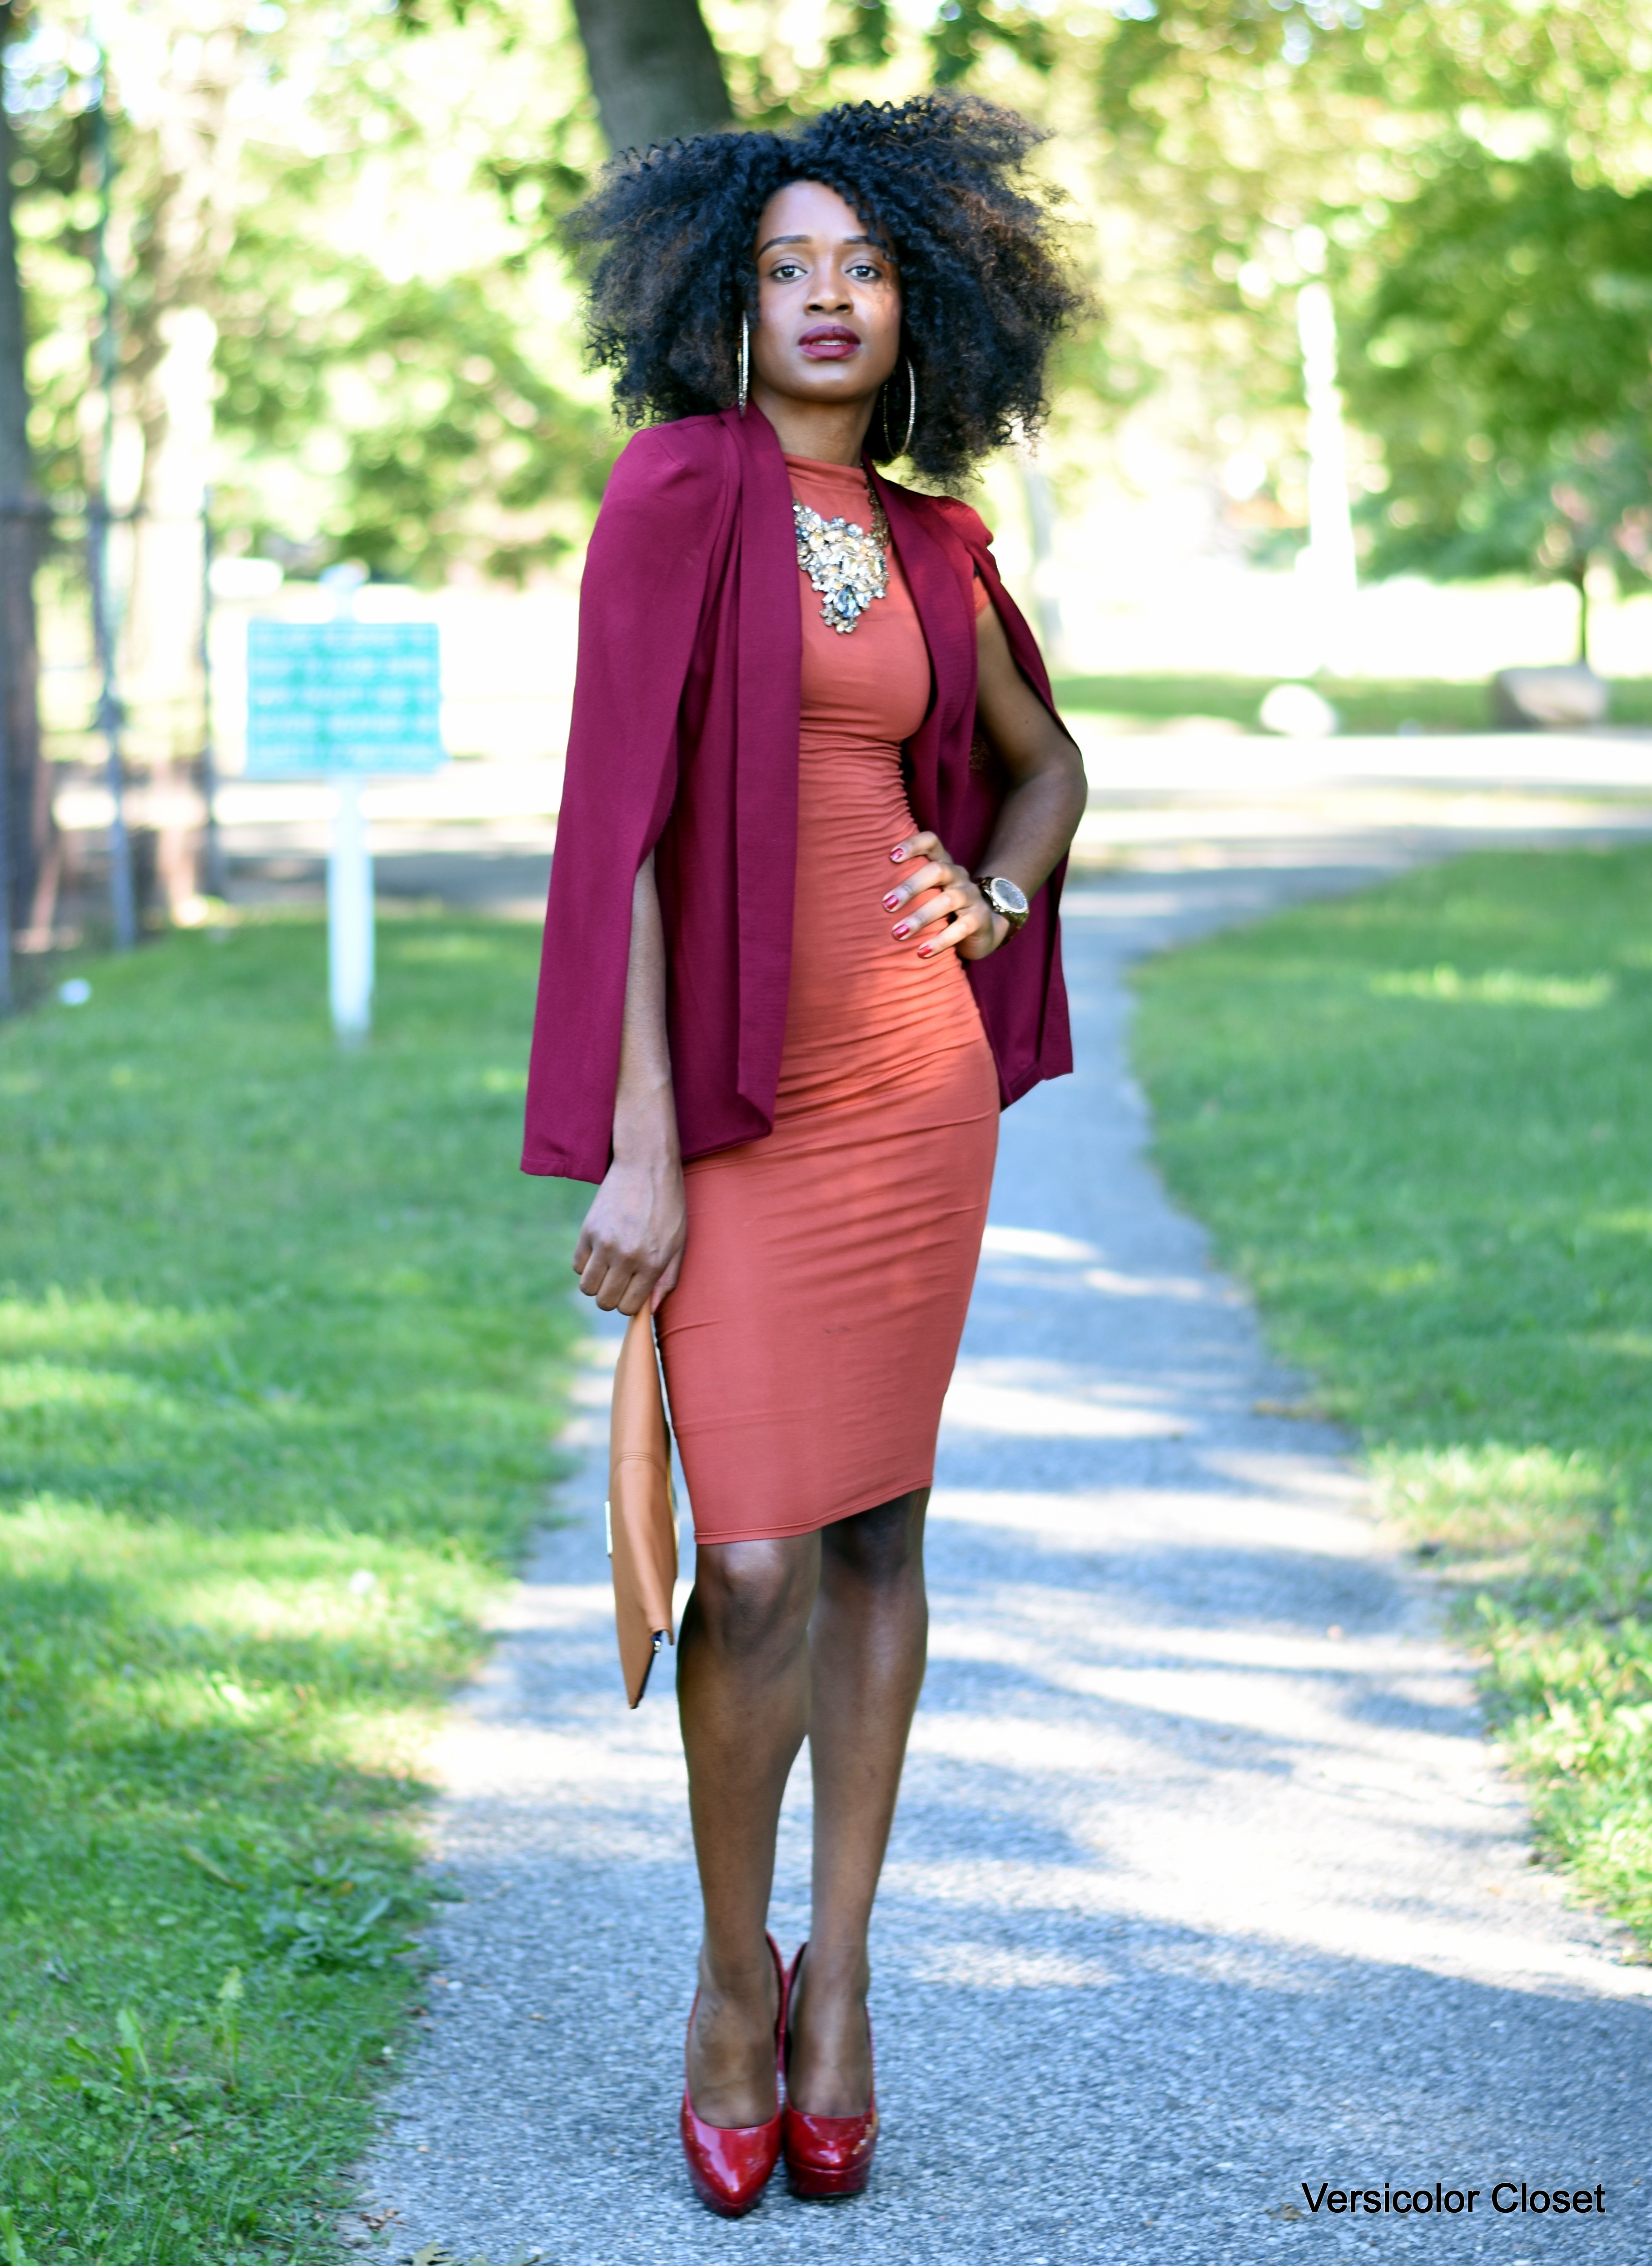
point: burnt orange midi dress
(814, 1330)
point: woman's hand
(629, 1250)
(967, 923)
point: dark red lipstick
(829, 342)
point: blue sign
(342, 696)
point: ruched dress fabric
(812, 1335)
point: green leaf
(132, 2039)
(203, 1863)
(16, 2255)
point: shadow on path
(1204, 1881)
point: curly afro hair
(984, 291)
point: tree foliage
(394, 381)
(1503, 356)
(1471, 180)
(420, 405)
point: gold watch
(1004, 897)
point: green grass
(1364, 704)
(1420, 1123)
(280, 1343)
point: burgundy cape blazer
(684, 741)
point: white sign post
(345, 700)
(350, 917)
(349, 871)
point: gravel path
(1205, 1883)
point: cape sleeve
(1020, 993)
(640, 602)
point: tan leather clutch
(642, 1517)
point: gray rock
(1549, 699)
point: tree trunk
(176, 68)
(30, 831)
(161, 678)
(1579, 579)
(653, 69)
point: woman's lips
(832, 344)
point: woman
(801, 948)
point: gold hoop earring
(746, 359)
(890, 451)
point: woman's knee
(755, 1597)
(881, 1546)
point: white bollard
(350, 917)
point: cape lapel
(767, 712)
(938, 574)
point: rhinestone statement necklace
(846, 565)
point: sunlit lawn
(279, 1346)
(1363, 703)
(1420, 1123)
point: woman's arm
(630, 1247)
(1036, 822)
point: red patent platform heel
(730, 2165)
(827, 2156)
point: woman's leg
(743, 1695)
(867, 1642)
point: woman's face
(828, 300)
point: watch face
(1007, 899)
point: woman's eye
(784, 272)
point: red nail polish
(905, 929)
(893, 901)
(896, 856)
(925, 951)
